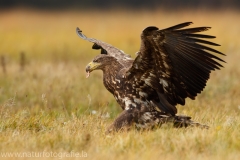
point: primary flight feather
(171, 65)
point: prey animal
(171, 65)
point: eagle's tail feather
(180, 121)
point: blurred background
(131, 4)
(43, 60)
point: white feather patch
(128, 103)
(143, 94)
(164, 83)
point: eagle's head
(100, 62)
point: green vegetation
(47, 104)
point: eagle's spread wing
(106, 48)
(175, 62)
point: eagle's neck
(110, 76)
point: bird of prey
(171, 65)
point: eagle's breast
(132, 94)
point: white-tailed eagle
(171, 65)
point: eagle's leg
(123, 121)
(126, 119)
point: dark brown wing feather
(179, 60)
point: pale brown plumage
(171, 65)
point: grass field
(48, 106)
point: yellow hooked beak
(91, 66)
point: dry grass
(48, 106)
